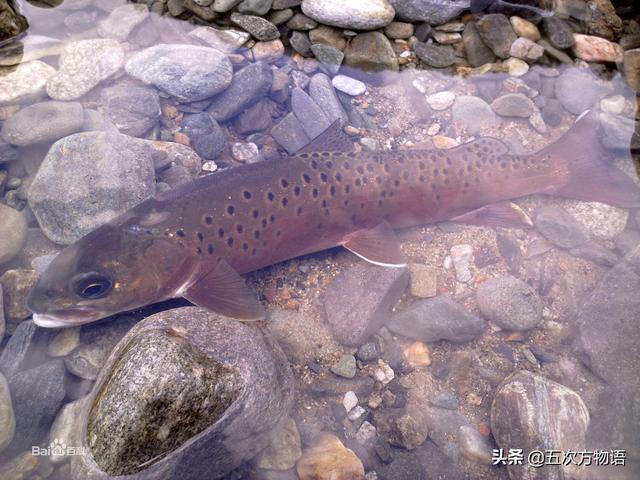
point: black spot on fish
(379, 203)
(253, 252)
(346, 165)
(208, 219)
(264, 223)
(314, 193)
(285, 201)
(278, 233)
(347, 188)
(272, 218)
(328, 164)
(315, 154)
(210, 249)
(221, 232)
(246, 194)
(271, 196)
(338, 177)
(284, 183)
(332, 190)
(314, 164)
(256, 234)
(379, 180)
(326, 154)
(370, 167)
(296, 190)
(319, 226)
(255, 213)
(231, 210)
(396, 183)
(245, 247)
(421, 165)
(200, 236)
(239, 228)
(324, 177)
(306, 178)
(346, 203)
(387, 168)
(422, 179)
(304, 155)
(358, 182)
(180, 233)
(299, 211)
(199, 251)
(360, 170)
(230, 241)
(324, 204)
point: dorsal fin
(333, 139)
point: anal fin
(224, 291)
(333, 139)
(377, 245)
(502, 214)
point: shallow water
(424, 352)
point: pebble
(245, 152)
(328, 36)
(353, 14)
(25, 82)
(13, 233)
(268, 52)
(473, 114)
(356, 414)
(552, 112)
(509, 303)
(418, 355)
(366, 434)
(284, 450)
(133, 110)
(618, 132)
(462, 258)
(555, 418)
(349, 401)
(371, 51)
(496, 32)
(423, 31)
(474, 445)
(205, 135)
(435, 55)
(279, 17)
(445, 400)
(349, 85)
(578, 90)
(602, 221)
(300, 42)
(596, 49)
(27, 127)
(558, 32)
(7, 417)
(447, 38)
(64, 342)
(322, 92)
(16, 284)
(367, 352)
(81, 166)
(422, 280)
(631, 68)
(513, 105)
(309, 114)
(222, 6)
(187, 72)
(254, 7)
(25, 347)
(516, 67)
(331, 58)
(260, 28)
(524, 28)
(66, 428)
(434, 319)
(122, 20)
(384, 374)
(345, 366)
(560, 227)
(399, 30)
(525, 49)
(402, 428)
(614, 105)
(289, 134)
(329, 459)
(83, 65)
(301, 22)
(228, 40)
(441, 100)
(433, 12)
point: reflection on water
(512, 326)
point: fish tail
(580, 169)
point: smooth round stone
(322, 92)
(245, 152)
(496, 32)
(300, 42)
(43, 122)
(602, 221)
(441, 100)
(473, 114)
(330, 57)
(349, 85)
(516, 67)
(64, 342)
(509, 303)
(228, 40)
(133, 110)
(371, 52)
(399, 30)
(122, 20)
(331, 36)
(614, 105)
(435, 55)
(268, 52)
(83, 65)
(205, 135)
(345, 366)
(560, 227)
(578, 90)
(558, 32)
(476, 50)
(434, 12)
(355, 14)
(25, 82)
(596, 49)
(525, 49)
(301, 22)
(114, 170)
(187, 72)
(260, 28)
(284, 450)
(513, 105)
(7, 417)
(524, 28)
(631, 68)
(329, 459)
(254, 7)
(13, 233)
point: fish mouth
(66, 318)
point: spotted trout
(196, 240)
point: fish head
(112, 269)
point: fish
(196, 240)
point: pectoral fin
(503, 214)
(378, 245)
(224, 291)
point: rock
(245, 152)
(477, 51)
(13, 233)
(37, 395)
(187, 72)
(496, 32)
(447, 38)
(516, 67)
(354, 14)
(602, 221)
(403, 428)
(66, 428)
(614, 105)
(323, 94)
(462, 257)
(349, 401)
(255, 7)
(596, 49)
(417, 355)
(552, 112)
(367, 352)
(435, 55)
(399, 30)
(331, 58)
(8, 153)
(618, 132)
(133, 110)
(525, 49)
(509, 303)
(596, 254)
(371, 52)
(7, 417)
(15, 287)
(473, 114)
(268, 52)
(289, 134)
(366, 434)
(328, 36)
(423, 280)
(115, 171)
(558, 32)
(310, 115)
(301, 22)
(94, 121)
(474, 446)
(205, 135)
(64, 342)
(300, 42)
(631, 68)
(83, 65)
(349, 85)
(260, 28)
(249, 84)
(513, 105)
(210, 368)
(524, 28)
(423, 31)
(12, 23)
(122, 20)
(535, 413)
(26, 82)
(360, 299)
(445, 400)
(284, 450)
(223, 6)
(329, 459)
(345, 366)
(228, 40)
(560, 227)
(434, 12)
(24, 349)
(434, 319)
(43, 122)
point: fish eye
(91, 285)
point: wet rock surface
(510, 303)
(133, 110)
